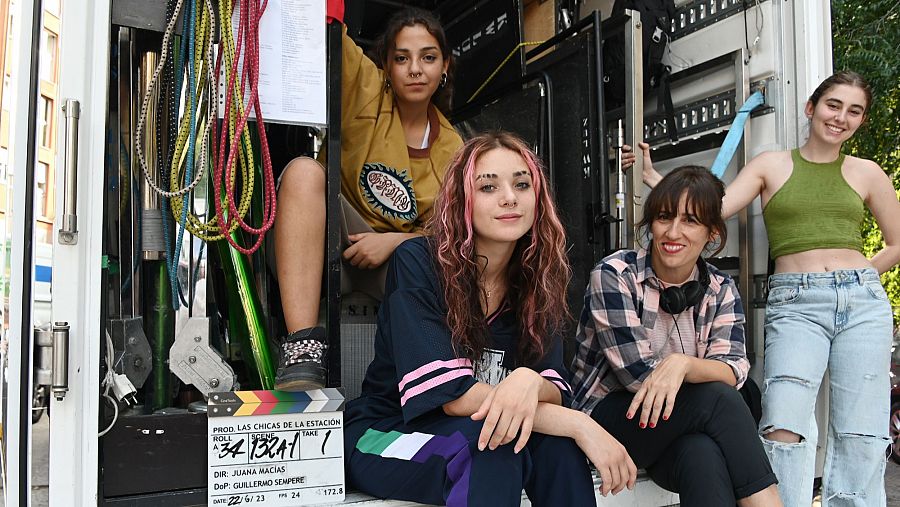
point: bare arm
(498, 406)
(617, 470)
(507, 409)
(469, 403)
(746, 186)
(882, 201)
(657, 394)
(708, 370)
(650, 175)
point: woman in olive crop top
(826, 307)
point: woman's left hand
(659, 390)
(509, 410)
(372, 249)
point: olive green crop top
(815, 208)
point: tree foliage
(866, 35)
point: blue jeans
(840, 320)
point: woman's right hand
(650, 175)
(617, 470)
(508, 410)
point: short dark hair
(704, 199)
(844, 77)
(412, 16)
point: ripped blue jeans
(840, 320)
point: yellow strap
(510, 55)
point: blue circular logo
(388, 191)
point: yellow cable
(211, 230)
(493, 74)
(202, 51)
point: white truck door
(84, 66)
(18, 231)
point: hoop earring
(443, 80)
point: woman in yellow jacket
(395, 145)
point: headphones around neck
(674, 300)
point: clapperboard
(276, 448)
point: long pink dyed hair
(538, 272)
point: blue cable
(171, 262)
(189, 159)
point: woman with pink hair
(465, 399)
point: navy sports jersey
(415, 370)
(399, 442)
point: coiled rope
(247, 44)
(192, 130)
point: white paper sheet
(292, 68)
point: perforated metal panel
(699, 14)
(358, 324)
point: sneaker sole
(299, 383)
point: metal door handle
(60, 374)
(68, 232)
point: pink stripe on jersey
(430, 367)
(561, 385)
(555, 377)
(434, 382)
(549, 372)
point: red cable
(250, 14)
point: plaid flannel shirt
(621, 304)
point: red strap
(335, 11)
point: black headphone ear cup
(693, 293)
(672, 300)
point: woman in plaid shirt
(661, 353)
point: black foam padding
(518, 111)
(155, 453)
(481, 39)
(578, 141)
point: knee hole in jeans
(781, 436)
(873, 440)
(787, 378)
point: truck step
(645, 494)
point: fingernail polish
(652, 425)
(665, 418)
(642, 425)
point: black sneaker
(301, 360)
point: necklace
(494, 287)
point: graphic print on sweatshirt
(490, 369)
(389, 191)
